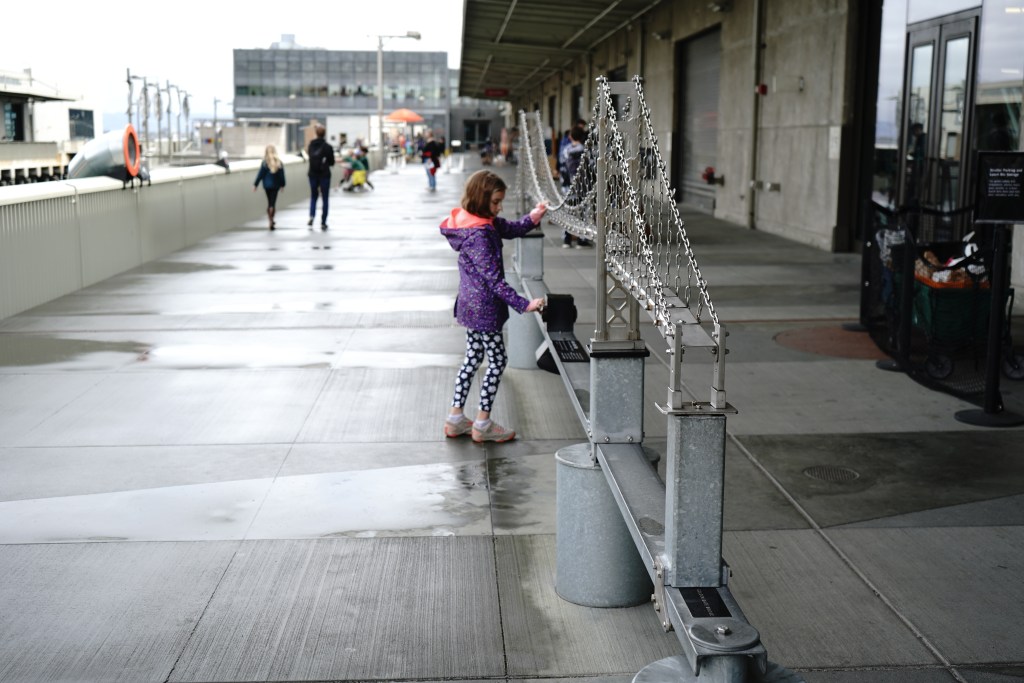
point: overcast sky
(189, 42)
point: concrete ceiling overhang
(507, 45)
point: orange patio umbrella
(404, 116)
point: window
(81, 123)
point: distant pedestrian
(570, 156)
(271, 174)
(476, 232)
(431, 156)
(321, 158)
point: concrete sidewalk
(228, 465)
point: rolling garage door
(698, 65)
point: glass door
(939, 84)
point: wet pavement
(228, 465)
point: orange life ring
(132, 151)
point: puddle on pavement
(522, 496)
(428, 500)
(179, 267)
(216, 511)
(304, 267)
(26, 350)
(196, 356)
(401, 361)
(375, 304)
(441, 499)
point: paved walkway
(228, 466)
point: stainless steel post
(524, 333)
(694, 487)
(601, 222)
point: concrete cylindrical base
(524, 338)
(524, 335)
(597, 563)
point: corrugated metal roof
(508, 44)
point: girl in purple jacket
(476, 232)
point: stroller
(354, 175)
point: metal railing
(621, 198)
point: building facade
(42, 128)
(807, 110)
(339, 89)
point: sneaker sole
(502, 439)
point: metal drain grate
(831, 473)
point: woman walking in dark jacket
(476, 232)
(271, 174)
(321, 158)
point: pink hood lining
(460, 218)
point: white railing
(58, 237)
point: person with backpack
(321, 158)
(431, 155)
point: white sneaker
(495, 432)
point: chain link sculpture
(647, 250)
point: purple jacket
(484, 296)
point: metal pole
(159, 124)
(380, 88)
(145, 110)
(170, 142)
(380, 94)
(130, 88)
(216, 138)
(601, 270)
(186, 105)
(178, 124)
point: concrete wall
(805, 69)
(808, 61)
(58, 237)
(803, 39)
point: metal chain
(654, 300)
(639, 257)
(680, 225)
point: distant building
(42, 129)
(339, 89)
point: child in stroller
(354, 174)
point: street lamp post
(170, 139)
(130, 88)
(380, 85)
(159, 123)
(143, 115)
(293, 128)
(186, 106)
(216, 137)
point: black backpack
(319, 160)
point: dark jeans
(319, 185)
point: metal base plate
(980, 418)
(677, 670)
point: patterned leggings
(477, 344)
